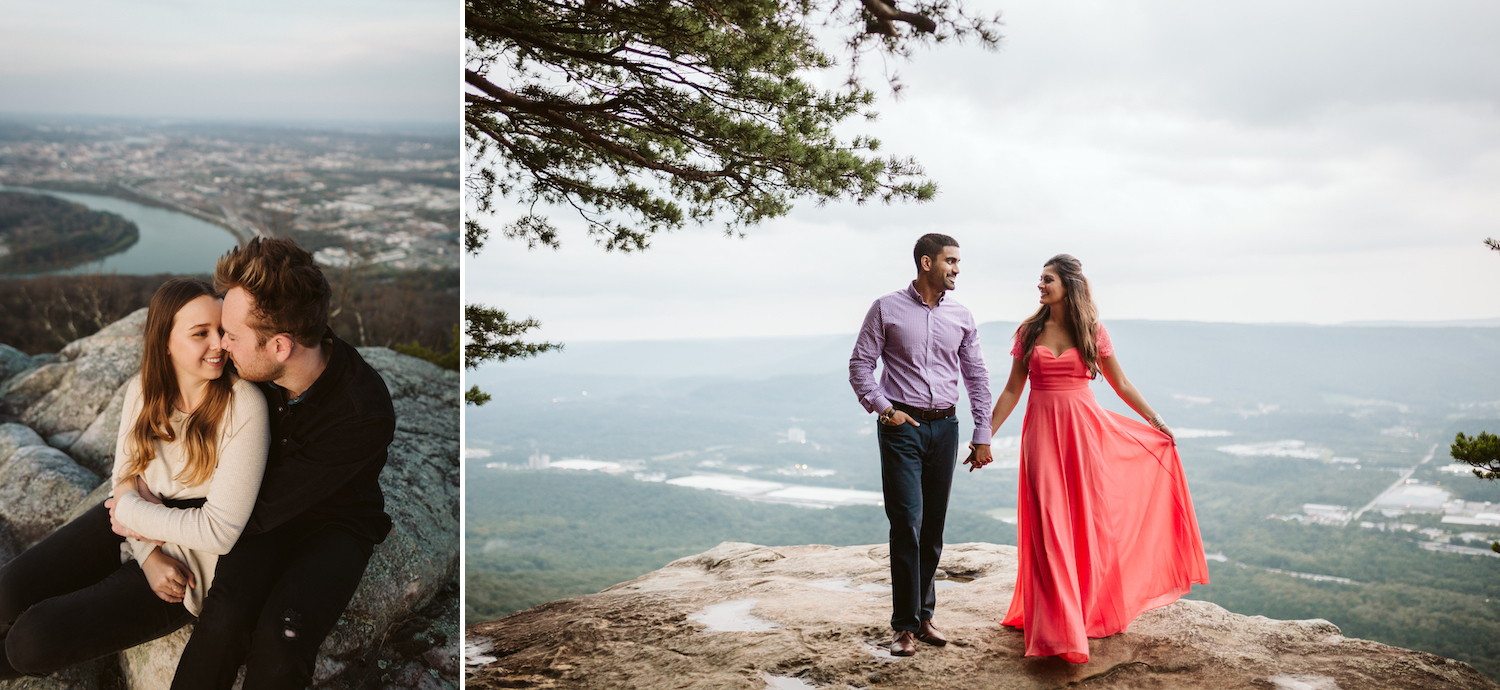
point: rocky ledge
(58, 418)
(747, 616)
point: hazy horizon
(1443, 323)
(378, 60)
(347, 125)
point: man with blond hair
(320, 511)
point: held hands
(168, 577)
(979, 456)
(145, 491)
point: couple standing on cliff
(1105, 526)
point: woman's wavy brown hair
(1079, 303)
(159, 392)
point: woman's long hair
(1080, 305)
(159, 391)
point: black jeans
(916, 473)
(68, 599)
(275, 597)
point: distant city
(355, 197)
(1465, 519)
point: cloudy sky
(1316, 162)
(375, 60)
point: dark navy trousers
(916, 473)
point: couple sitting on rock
(248, 498)
(1105, 526)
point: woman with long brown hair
(1105, 525)
(188, 462)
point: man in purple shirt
(926, 341)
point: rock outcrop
(58, 419)
(64, 396)
(13, 362)
(747, 616)
(38, 485)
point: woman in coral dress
(1105, 525)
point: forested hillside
(43, 233)
(370, 308)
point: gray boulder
(97, 496)
(68, 393)
(99, 674)
(14, 437)
(150, 666)
(39, 485)
(13, 362)
(63, 440)
(95, 447)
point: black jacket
(327, 450)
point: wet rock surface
(58, 420)
(820, 615)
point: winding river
(170, 242)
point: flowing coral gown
(1105, 526)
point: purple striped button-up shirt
(924, 350)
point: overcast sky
(381, 60)
(1316, 162)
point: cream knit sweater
(196, 536)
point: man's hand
(121, 529)
(979, 456)
(145, 491)
(897, 418)
(168, 577)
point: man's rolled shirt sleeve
(867, 349)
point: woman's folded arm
(216, 526)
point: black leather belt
(924, 415)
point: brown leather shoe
(905, 644)
(931, 635)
